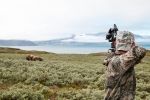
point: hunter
(120, 73)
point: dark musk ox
(33, 58)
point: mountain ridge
(17, 43)
(74, 39)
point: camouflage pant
(118, 96)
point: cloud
(46, 19)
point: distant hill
(87, 39)
(19, 51)
(74, 39)
(16, 43)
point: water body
(64, 49)
(74, 49)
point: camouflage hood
(124, 40)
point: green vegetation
(61, 77)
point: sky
(51, 19)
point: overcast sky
(49, 19)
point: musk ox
(33, 58)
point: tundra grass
(62, 77)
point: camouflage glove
(139, 53)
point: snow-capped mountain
(90, 38)
(74, 39)
(87, 38)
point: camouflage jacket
(120, 74)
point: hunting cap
(124, 40)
